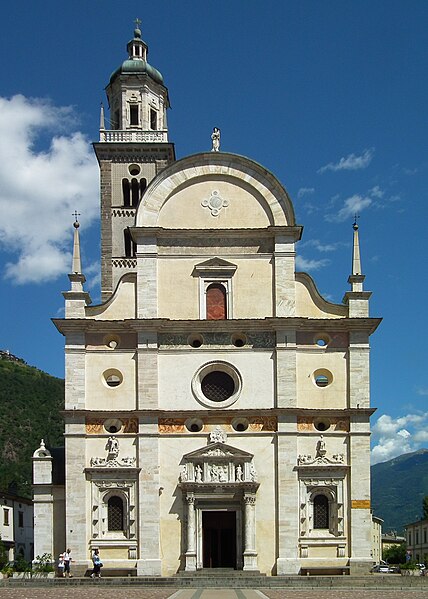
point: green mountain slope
(398, 487)
(30, 402)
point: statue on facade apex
(215, 137)
(218, 436)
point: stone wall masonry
(288, 501)
(147, 371)
(106, 230)
(78, 512)
(359, 509)
(75, 371)
(359, 374)
(286, 390)
(149, 562)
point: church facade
(216, 406)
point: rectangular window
(153, 119)
(425, 535)
(21, 519)
(133, 112)
(5, 517)
(116, 122)
(417, 537)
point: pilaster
(284, 280)
(359, 370)
(147, 304)
(288, 499)
(359, 509)
(250, 552)
(190, 534)
(147, 377)
(286, 381)
(77, 531)
(149, 562)
(43, 501)
(75, 371)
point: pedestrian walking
(61, 565)
(96, 560)
(67, 563)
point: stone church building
(216, 405)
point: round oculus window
(218, 386)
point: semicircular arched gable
(270, 194)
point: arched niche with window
(215, 288)
(321, 511)
(115, 514)
(322, 504)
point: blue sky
(330, 96)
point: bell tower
(132, 150)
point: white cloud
(321, 247)
(422, 391)
(390, 448)
(376, 192)
(307, 265)
(352, 162)
(47, 170)
(93, 275)
(351, 206)
(303, 191)
(395, 436)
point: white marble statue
(215, 137)
(113, 445)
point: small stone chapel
(216, 405)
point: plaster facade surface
(217, 407)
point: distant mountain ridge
(30, 402)
(398, 488)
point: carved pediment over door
(218, 463)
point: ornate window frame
(217, 271)
(213, 366)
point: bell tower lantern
(132, 150)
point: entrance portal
(219, 539)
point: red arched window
(216, 302)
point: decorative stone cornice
(266, 232)
(71, 325)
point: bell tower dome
(132, 150)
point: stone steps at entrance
(373, 582)
(220, 573)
